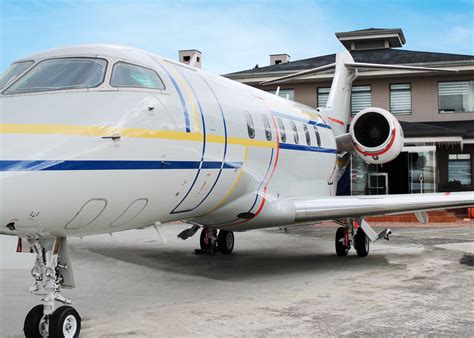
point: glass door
(421, 169)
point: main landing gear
(51, 271)
(211, 242)
(357, 233)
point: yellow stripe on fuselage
(50, 129)
(189, 96)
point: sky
(232, 35)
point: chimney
(186, 55)
(276, 59)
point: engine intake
(376, 135)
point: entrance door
(421, 169)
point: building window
(266, 125)
(400, 98)
(361, 98)
(459, 169)
(295, 132)
(250, 126)
(288, 94)
(281, 126)
(323, 94)
(456, 96)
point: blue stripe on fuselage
(181, 98)
(301, 147)
(60, 165)
(299, 119)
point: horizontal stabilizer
(359, 65)
(303, 73)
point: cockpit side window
(13, 72)
(128, 75)
(61, 74)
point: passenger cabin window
(318, 137)
(13, 72)
(250, 127)
(61, 74)
(281, 127)
(295, 132)
(128, 75)
(266, 125)
(306, 133)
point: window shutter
(323, 95)
(361, 98)
(400, 98)
(454, 88)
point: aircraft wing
(338, 207)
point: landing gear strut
(52, 271)
(211, 242)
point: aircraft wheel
(225, 241)
(341, 249)
(65, 322)
(31, 326)
(204, 240)
(361, 243)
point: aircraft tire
(31, 326)
(64, 322)
(202, 241)
(225, 241)
(341, 249)
(361, 243)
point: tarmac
(421, 282)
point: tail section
(338, 107)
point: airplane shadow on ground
(241, 265)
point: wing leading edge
(337, 207)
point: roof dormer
(372, 38)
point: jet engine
(376, 135)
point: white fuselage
(184, 152)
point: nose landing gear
(52, 271)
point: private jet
(99, 138)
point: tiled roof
(383, 56)
(464, 129)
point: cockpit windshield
(60, 74)
(12, 72)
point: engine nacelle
(376, 135)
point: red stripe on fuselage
(336, 120)
(260, 208)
